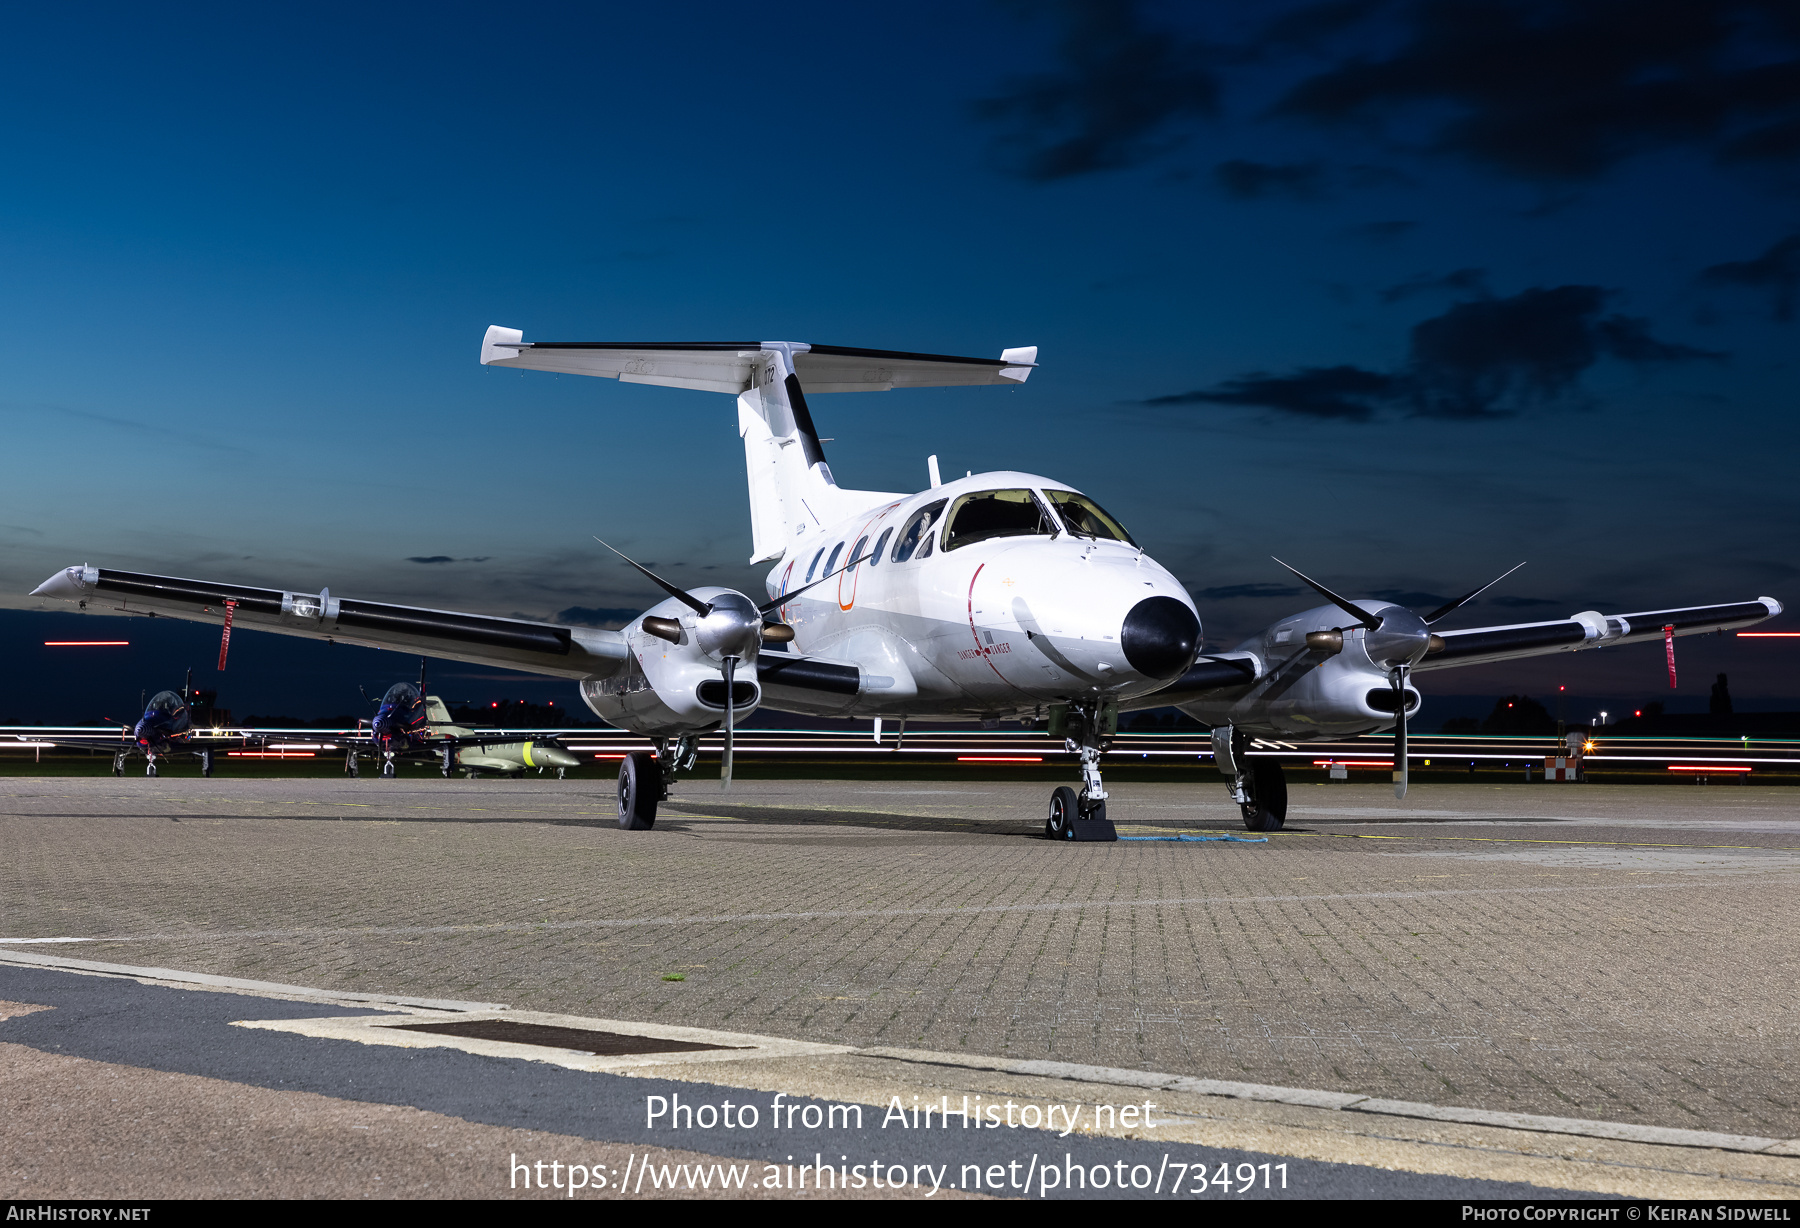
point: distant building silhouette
(1721, 698)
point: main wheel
(1267, 808)
(640, 787)
(1063, 811)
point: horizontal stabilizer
(729, 366)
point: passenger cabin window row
(983, 516)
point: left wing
(509, 643)
(1589, 629)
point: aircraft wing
(1589, 629)
(507, 643)
(727, 366)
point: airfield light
(1770, 635)
(1709, 769)
(86, 643)
(999, 758)
(1638, 712)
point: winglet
(1021, 361)
(501, 343)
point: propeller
(1396, 638)
(729, 628)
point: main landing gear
(1087, 729)
(119, 764)
(1257, 785)
(645, 779)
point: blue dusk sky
(1401, 292)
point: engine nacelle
(1317, 680)
(667, 689)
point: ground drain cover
(582, 1040)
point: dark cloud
(1547, 90)
(1484, 358)
(1408, 598)
(596, 616)
(1521, 603)
(1462, 281)
(1776, 273)
(1313, 392)
(1120, 84)
(444, 558)
(1230, 591)
(1245, 180)
(1564, 89)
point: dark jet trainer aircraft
(408, 722)
(165, 729)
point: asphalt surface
(1619, 953)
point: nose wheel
(1087, 731)
(640, 788)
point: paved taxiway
(1621, 954)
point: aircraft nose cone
(1160, 637)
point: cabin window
(1085, 518)
(815, 566)
(880, 545)
(856, 551)
(996, 513)
(918, 529)
(831, 563)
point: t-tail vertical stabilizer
(792, 492)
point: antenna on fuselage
(931, 469)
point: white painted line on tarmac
(197, 979)
(15, 941)
(745, 1045)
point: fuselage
(988, 624)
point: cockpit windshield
(165, 702)
(400, 695)
(996, 513)
(1085, 518)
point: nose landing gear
(1257, 785)
(1087, 730)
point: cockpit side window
(1085, 518)
(918, 529)
(996, 513)
(831, 563)
(814, 566)
(880, 545)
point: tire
(640, 786)
(150, 769)
(1060, 825)
(387, 770)
(1095, 811)
(1267, 808)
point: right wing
(507, 643)
(1589, 629)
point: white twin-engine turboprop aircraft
(996, 596)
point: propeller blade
(769, 607)
(1399, 680)
(1363, 617)
(730, 667)
(1467, 597)
(682, 595)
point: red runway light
(1770, 635)
(999, 758)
